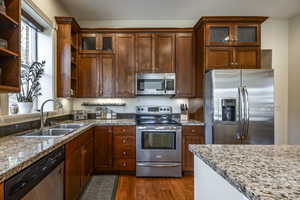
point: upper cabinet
(185, 65)
(125, 65)
(10, 27)
(234, 34)
(155, 52)
(97, 43)
(67, 54)
(229, 42)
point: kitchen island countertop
(260, 172)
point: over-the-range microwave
(155, 84)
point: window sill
(6, 120)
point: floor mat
(101, 187)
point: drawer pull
(124, 153)
(124, 164)
(124, 141)
(193, 131)
(124, 130)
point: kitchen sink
(52, 132)
(70, 126)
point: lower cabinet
(78, 164)
(190, 135)
(114, 149)
(103, 148)
(1, 191)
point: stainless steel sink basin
(71, 126)
(53, 132)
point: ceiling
(178, 9)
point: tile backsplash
(131, 103)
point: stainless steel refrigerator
(239, 107)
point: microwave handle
(165, 86)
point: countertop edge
(235, 183)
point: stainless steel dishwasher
(43, 180)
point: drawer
(124, 164)
(192, 130)
(124, 130)
(124, 152)
(124, 141)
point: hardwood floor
(132, 188)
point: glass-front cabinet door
(218, 34)
(89, 43)
(247, 34)
(97, 43)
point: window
(28, 44)
(36, 34)
(29, 51)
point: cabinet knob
(124, 153)
(124, 130)
(124, 141)
(124, 164)
(193, 131)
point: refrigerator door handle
(242, 109)
(247, 112)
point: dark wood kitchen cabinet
(165, 53)
(144, 45)
(103, 148)
(185, 65)
(125, 66)
(232, 58)
(219, 58)
(190, 135)
(124, 148)
(107, 75)
(67, 54)
(229, 42)
(155, 52)
(1, 191)
(97, 43)
(89, 78)
(78, 164)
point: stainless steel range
(158, 143)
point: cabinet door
(165, 53)
(219, 34)
(90, 43)
(73, 175)
(247, 34)
(107, 43)
(107, 75)
(247, 57)
(191, 135)
(219, 58)
(84, 166)
(144, 52)
(125, 68)
(185, 68)
(1, 191)
(89, 76)
(103, 145)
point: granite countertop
(260, 172)
(17, 153)
(192, 123)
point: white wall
(294, 81)
(275, 37)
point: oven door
(158, 144)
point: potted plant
(30, 86)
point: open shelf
(6, 52)
(6, 88)
(6, 20)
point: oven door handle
(166, 165)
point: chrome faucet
(42, 110)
